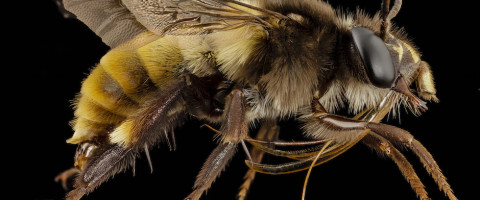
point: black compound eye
(376, 57)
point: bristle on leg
(147, 153)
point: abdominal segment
(116, 89)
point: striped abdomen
(118, 86)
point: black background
(57, 54)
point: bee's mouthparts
(400, 86)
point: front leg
(384, 147)
(233, 130)
(321, 124)
(331, 125)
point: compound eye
(376, 57)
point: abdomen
(119, 85)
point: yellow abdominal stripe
(114, 89)
(117, 87)
(161, 59)
(105, 92)
(126, 69)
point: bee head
(388, 61)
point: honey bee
(239, 63)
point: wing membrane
(114, 23)
(188, 16)
(141, 21)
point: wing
(119, 21)
(114, 23)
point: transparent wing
(114, 23)
(119, 21)
(190, 16)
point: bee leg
(66, 176)
(107, 161)
(406, 139)
(268, 132)
(384, 147)
(233, 130)
(305, 151)
(82, 154)
(392, 133)
(339, 125)
(160, 113)
(136, 134)
(325, 153)
(215, 164)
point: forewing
(119, 21)
(188, 16)
(114, 23)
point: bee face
(389, 63)
(383, 60)
(375, 56)
(407, 60)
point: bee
(240, 63)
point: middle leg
(330, 125)
(233, 130)
(268, 132)
(384, 147)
